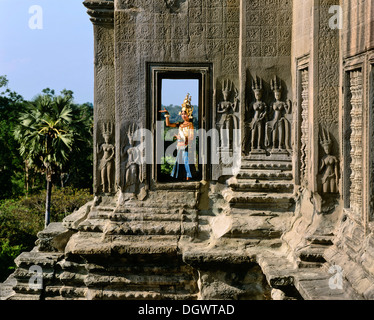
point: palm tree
(47, 133)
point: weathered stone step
(313, 254)
(6, 288)
(100, 215)
(46, 260)
(140, 281)
(264, 175)
(69, 293)
(137, 295)
(128, 217)
(91, 244)
(253, 186)
(92, 225)
(309, 265)
(259, 212)
(263, 165)
(71, 278)
(259, 227)
(314, 284)
(259, 200)
(324, 240)
(65, 292)
(24, 297)
(150, 228)
(156, 214)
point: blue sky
(175, 91)
(58, 56)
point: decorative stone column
(102, 18)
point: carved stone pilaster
(356, 141)
(304, 127)
(102, 16)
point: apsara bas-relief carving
(132, 165)
(269, 129)
(228, 123)
(106, 161)
(257, 125)
(278, 130)
(329, 165)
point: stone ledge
(53, 238)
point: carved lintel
(101, 12)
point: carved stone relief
(304, 156)
(228, 122)
(255, 129)
(328, 65)
(356, 141)
(278, 130)
(371, 143)
(268, 130)
(268, 31)
(329, 165)
(133, 173)
(107, 160)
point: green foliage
(17, 176)
(7, 255)
(46, 133)
(11, 165)
(167, 165)
(3, 81)
(36, 124)
(21, 219)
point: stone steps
(138, 295)
(264, 175)
(92, 225)
(250, 185)
(25, 274)
(65, 293)
(253, 200)
(150, 228)
(261, 197)
(280, 166)
(313, 255)
(138, 281)
(153, 214)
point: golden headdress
(187, 107)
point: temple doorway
(173, 166)
(179, 97)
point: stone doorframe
(159, 71)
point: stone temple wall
(290, 218)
